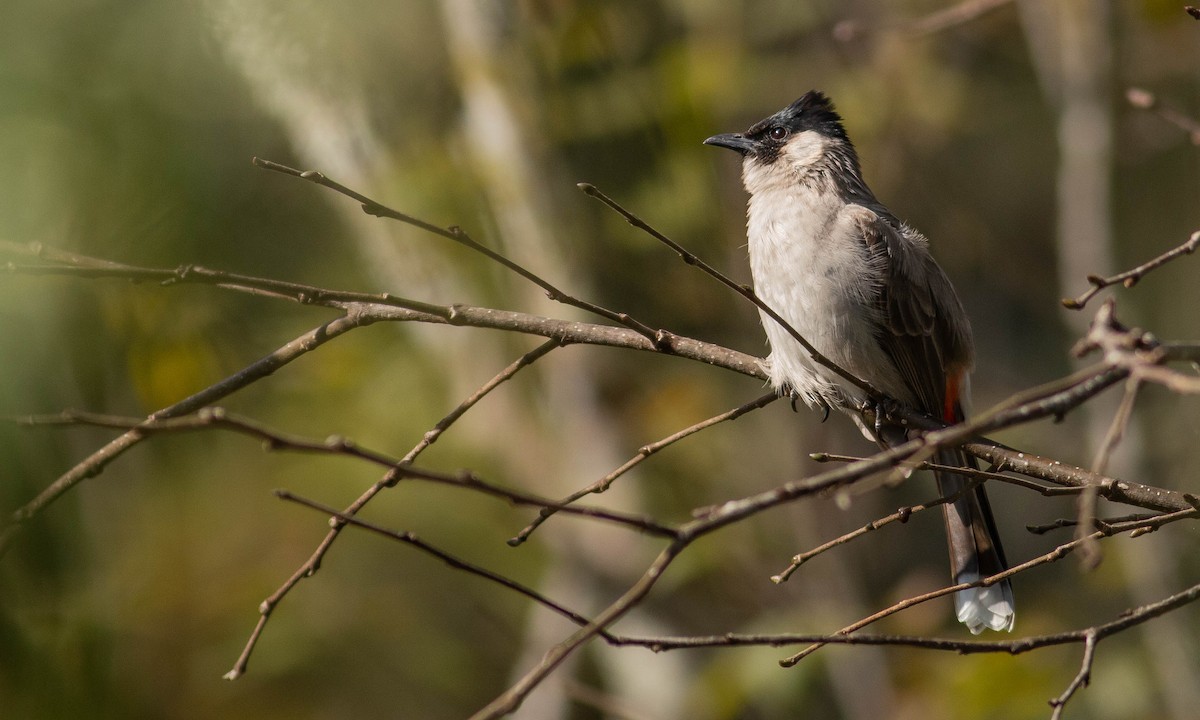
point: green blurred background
(126, 132)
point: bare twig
(1052, 399)
(643, 452)
(660, 338)
(453, 561)
(1135, 350)
(310, 566)
(218, 418)
(1145, 100)
(1129, 278)
(512, 698)
(1097, 523)
(1081, 678)
(1053, 556)
(708, 521)
(1120, 422)
(953, 16)
(902, 515)
(935, 22)
(729, 512)
(385, 307)
(1048, 491)
(95, 463)
(1124, 621)
(74, 265)
(1090, 553)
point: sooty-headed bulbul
(862, 288)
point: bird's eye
(777, 133)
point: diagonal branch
(95, 463)
(453, 561)
(385, 307)
(512, 698)
(902, 515)
(643, 453)
(218, 418)
(1058, 553)
(1124, 621)
(935, 22)
(1145, 100)
(310, 566)
(1081, 678)
(660, 338)
(1129, 278)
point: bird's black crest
(764, 143)
(813, 111)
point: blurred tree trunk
(502, 126)
(1072, 47)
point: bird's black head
(765, 140)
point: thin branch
(1145, 100)
(385, 307)
(1124, 621)
(659, 644)
(1058, 553)
(902, 515)
(411, 539)
(644, 452)
(1090, 553)
(1053, 399)
(1047, 401)
(218, 418)
(1129, 278)
(1097, 523)
(431, 436)
(953, 16)
(660, 338)
(1140, 523)
(74, 265)
(1081, 678)
(313, 564)
(1137, 351)
(1045, 490)
(1053, 556)
(935, 22)
(512, 698)
(95, 463)
(708, 521)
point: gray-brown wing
(923, 325)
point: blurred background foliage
(126, 130)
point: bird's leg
(883, 408)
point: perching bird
(862, 288)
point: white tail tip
(985, 608)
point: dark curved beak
(734, 141)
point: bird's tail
(975, 550)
